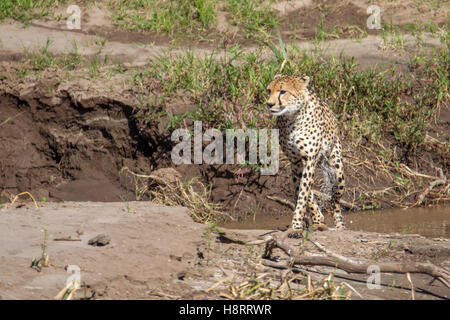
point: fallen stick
(67, 292)
(69, 238)
(422, 196)
(356, 266)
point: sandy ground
(155, 252)
(132, 51)
(158, 252)
(145, 245)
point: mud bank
(67, 139)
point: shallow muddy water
(427, 221)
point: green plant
(254, 16)
(27, 10)
(207, 236)
(164, 16)
(42, 261)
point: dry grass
(297, 287)
(14, 198)
(165, 187)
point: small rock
(100, 240)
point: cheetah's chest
(292, 138)
(303, 136)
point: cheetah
(309, 137)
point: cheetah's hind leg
(338, 184)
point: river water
(430, 222)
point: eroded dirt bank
(158, 252)
(67, 139)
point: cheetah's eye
(282, 92)
(268, 91)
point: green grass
(370, 104)
(188, 17)
(253, 16)
(224, 94)
(42, 59)
(164, 16)
(230, 93)
(27, 10)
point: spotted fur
(309, 137)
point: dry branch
(334, 260)
(356, 266)
(423, 195)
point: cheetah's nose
(270, 105)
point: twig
(422, 196)
(24, 193)
(353, 289)
(367, 162)
(282, 201)
(217, 284)
(11, 118)
(354, 266)
(415, 173)
(69, 238)
(67, 292)
(408, 276)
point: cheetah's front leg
(304, 190)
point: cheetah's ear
(305, 80)
(277, 76)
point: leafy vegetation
(164, 16)
(369, 103)
(26, 10)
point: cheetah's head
(284, 94)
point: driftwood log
(334, 260)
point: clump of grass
(42, 261)
(27, 10)
(164, 16)
(392, 37)
(42, 59)
(169, 190)
(253, 16)
(369, 103)
(263, 288)
(227, 94)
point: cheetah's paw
(294, 233)
(340, 227)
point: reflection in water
(427, 221)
